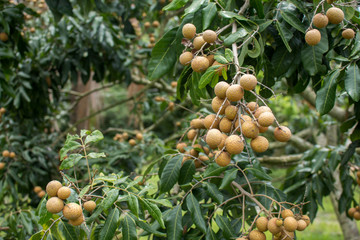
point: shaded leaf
(325, 97)
(175, 5)
(128, 228)
(196, 215)
(208, 15)
(170, 174)
(154, 211)
(187, 172)
(352, 81)
(111, 224)
(174, 227)
(110, 198)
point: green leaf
(214, 170)
(208, 15)
(195, 5)
(84, 191)
(259, 174)
(96, 155)
(154, 211)
(225, 225)
(325, 97)
(229, 55)
(255, 52)
(173, 222)
(268, 190)
(111, 224)
(214, 193)
(170, 173)
(70, 144)
(111, 197)
(208, 76)
(70, 161)
(352, 81)
(42, 212)
(67, 230)
(282, 61)
(95, 136)
(293, 20)
(228, 14)
(163, 56)
(230, 175)
(133, 204)
(187, 172)
(181, 88)
(128, 228)
(175, 5)
(220, 59)
(144, 225)
(194, 208)
(236, 36)
(95, 214)
(38, 236)
(210, 235)
(282, 35)
(164, 202)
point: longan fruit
(249, 129)
(72, 211)
(220, 68)
(235, 93)
(241, 238)
(222, 159)
(125, 135)
(290, 224)
(41, 194)
(209, 121)
(234, 144)
(231, 111)
(199, 64)
(194, 153)
(12, 155)
(139, 136)
(313, 37)
(2, 165)
(191, 134)
(181, 147)
(222, 143)
(257, 235)
(197, 163)
(220, 89)
(206, 150)
(132, 142)
(306, 219)
(213, 138)
(209, 36)
(286, 213)
(263, 129)
(6, 153)
(252, 106)
(335, 15)
(217, 103)
(185, 58)
(64, 193)
(301, 225)
(155, 24)
(357, 215)
(171, 106)
(279, 222)
(78, 221)
(152, 39)
(259, 144)
(37, 189)
(4, 37)
(351, 212)
(243, 118)
(89, 206)
(261, 224)
(320, 20)
(54, 205)
(189, 31)
(147, 24)
(198, 42)
(282, 134)
(197, 123)
(348, 33)
(173, 84)
(248, 82)
(225, 125)
(2, 110)
(52, 188)
(261, 110)
(211, 59)
(272, 227)
(266, 119)
(287, 235)
(204, 158)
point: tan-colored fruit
(213, 138)
(209, 36)
(261, 224)
(209, 121)
(287, 235)
(222, 159)
(152, 40)
(348, 33)
(37, 189)
(191, 134)
(185, 58)
(64, 193)
(306, 219)
(218, 103)
(171, 106)
(241, 238)
(72, 211)
(12, 155)
(206, 150)
(252, 106)
(132, 142)
(257, 235)
(125, 135)
(301, 225)
(279, 222)
(358, 174)
(173, 84)
(211, 59)
(89, 206)
(204, 158)
(2, 110)
(235, 93)
(231, 111)
(139, 136)
(155, 24)
(222, 143)
(266, 119)
(290, 224)
(147, 24)
(6, 153)
(220, 89)
(261, 110)
(249, 129)
(54, 205)
(198, 42)
(335, 15)
(243, 118)
(199, 64)
(234, 144)
(313, 37)
(2, 165)
(193, 152)
(259, 144)
(351, 212)
(197, 163)
(320, 20)
(263, 129)
(189, 31)
(286, 213)
(272, 227)
(53, 187)
(41, 194)
(357, 215)
(181, 147)
(219, 69)
(225, 125)
(4, 37)
(282, 134)
(248, 81)
(78, 221)
(197, 123)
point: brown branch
(282, 160)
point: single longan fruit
(211, 59)
(173, 84)
(185, 58)
(282, 134)
(197, 163)
(252, 106)
(313, 37)
(209, 36)
(72, 211)
(234, 144)
(78, 221)
(2, 165)
(241, 238)
(306, 219)
(335, 15)
(12, 155)
(125, 135)
(285, 235)
(286, 213)
(171, 106)
(54, 205)
(132, 142)
(181, 147)
(6, 153)
(222, 143)
(348, 33)
(272, 227)
(243, 118)
(266, 119)
(257, 235)
(198, 42)
(222, 159)
(193, 152)
(249, 129)
(139, 136)
(320, 20)
(259, 144)
(147, 24)
(89, 206)
(261, 224)
(209, 121)
(235, 93)
(41, 194)
(197, 123)
(261, 110)
(206, 150)
(64, 193)
(200, 64)
(204, 158)
(155, 24)
(53, 187)
(290, 224)
(220, 68)
(351, 212)
(191, 134)
(2, 110)
(4, 37)
(248, 81)
(357, 215)
(213, 138)
(231, 111)
(37, 189)
(189, 31)
(225, 125)
(220, 89)
(301, 225)
(279, 222)
(263, 129)
(152, 39)
(217, 103)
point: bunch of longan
(123, 137)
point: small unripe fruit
(54, 205)
(286, 213)
(200, 64)
(12, 155)
(266, 119)
(213, 138)
(6, 153)
(189, 31)
(147, 24)
(306, 219)
(209, 36)
(335, 15)
(198, 43)
(72, 211)
(279, 222)
(348, 33)
(197, 123)
(351, 212)
(41, 194)
(272, 227)
(256, 235)
(185, 58)
(235, 93)
(37, 189)
(301, 225)
(259, 144)
(219, 69)
(171, 106)
(139, 136)
(249, 129)
(218, 103)
(197, 163)
(220, 89)
(152, 40)
(225, 125)
(64, 193)
(234, 144)
(89, 206)
(320, 20)
(248, 81)
(282, 134)
(313, 37)
(132, 142)
(78, 221)
(261, 224)
(261, 110)
(222, 159)
(53, 187)
(173, 84)
(155, 24)
(191, 134)
(181, 147)
(231, 111)
(209, 121)
(290, 224)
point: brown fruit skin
(4, 37)
(235, 93)
(41, 194)
(222, 143)
(358, 174)
(185, 58)
(243, 118)
(197, 123)
(2, 165)
(272, 227)
(252, 106)
(197, 163)
(290, 224)
(248, 81)
(282, 134)
(213, 138)
(263, 129)
(225, 125)
(220, 89)
(72, 211)
(155, 24)
(234, 144)
(211, 59)
(259, 144)
(261, 224)
(348, 33)
(306, 219)
(198, 42)
(266, 119)
(217, 103)
(78, 221)
(320, 20)
(132, 142)
(200, 64)
(147, 24)
(279, 222)
(89, 206)
(256, 235)
(250, 130)
(193, 152)
(286, 213)
(209, 120)
(231, 111)
(2, 110)
(139, 136)
(191, 134)
(261, 110)
(335, 15)
(6, 153)
(204, 158)
(301, 225)
(125, 135)
(37, 189)
(357, 215)
(52, 187)
(54, 205)
(223, 159)
(181, 147)
(219, 69)
(313, 37)
(12, 155)
(209, 36)
(351, 212)
(285, 235)
(173, 84)
(189, 31)
(63, 193)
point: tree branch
(281, 160)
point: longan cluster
(147, 26)
(125, 136)
(354, 212)
(6, 154)
(333, 15)
(171, 105)
(39, 191)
